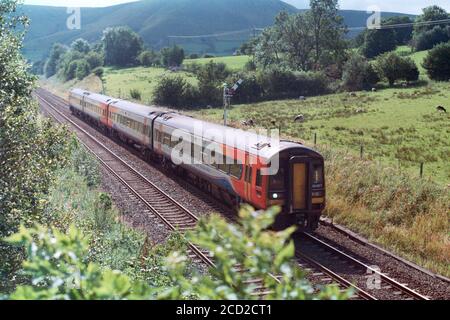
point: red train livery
(229, 163)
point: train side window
(236, 171)
(258, 178)
(166, 139)
(223, 166)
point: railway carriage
(228, 163)
(91, 106)
(133, 123)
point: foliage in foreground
(31, 150)
(58, 268)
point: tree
(431, 13)
(122, 46)
(304, 41)
(211, 77)
(149, 58)
(393, 67)
(38, 67)
(248, 47)
(358, 74)
(31, 149)
(172, 57)
(56, 264)
(328, 29)
(428, 39)
(81, 45)
(95, 60)
(437, 62)
(56, 53)
(403, 35)
(377, 42)
(171, 91)
(289, 42)
(427, 36)
(409, 70)
(83, 69)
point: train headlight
(318, 174)
(276, 195)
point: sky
(410, 6)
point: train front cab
(299, 188)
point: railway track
(351, 271)
(174, 215)
(178, 218)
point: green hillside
(156, 20)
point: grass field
(233, 62)
(119, 82)
(399, 127)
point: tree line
(119, 47)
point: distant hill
(155, 20)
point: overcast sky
(409, 6)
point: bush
(135, 94)
(149, 58)
(172, 57)
(70, 71)
(358, 74)
(211, 77)
(58, 270)
(377, 42)
(95, 60)
(174, 92)
(437, 62)
(193, 68)
(122, 46)
(409, 70)
(86, 165)
(428, 39)
(194, 56)
(250, 66)
(284, 84)
(250, 90)
(99, 72)
(394, 67)
(83, 69)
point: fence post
(315, 139)
(421, 169)
(361, 152)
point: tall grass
(407, 215)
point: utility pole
(226, 103)
(228, 93)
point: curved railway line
(312, 253)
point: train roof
(254, 143)
(138, 109)
(93, 96)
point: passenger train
(296, 184)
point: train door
(299, 177)
(248, 178)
